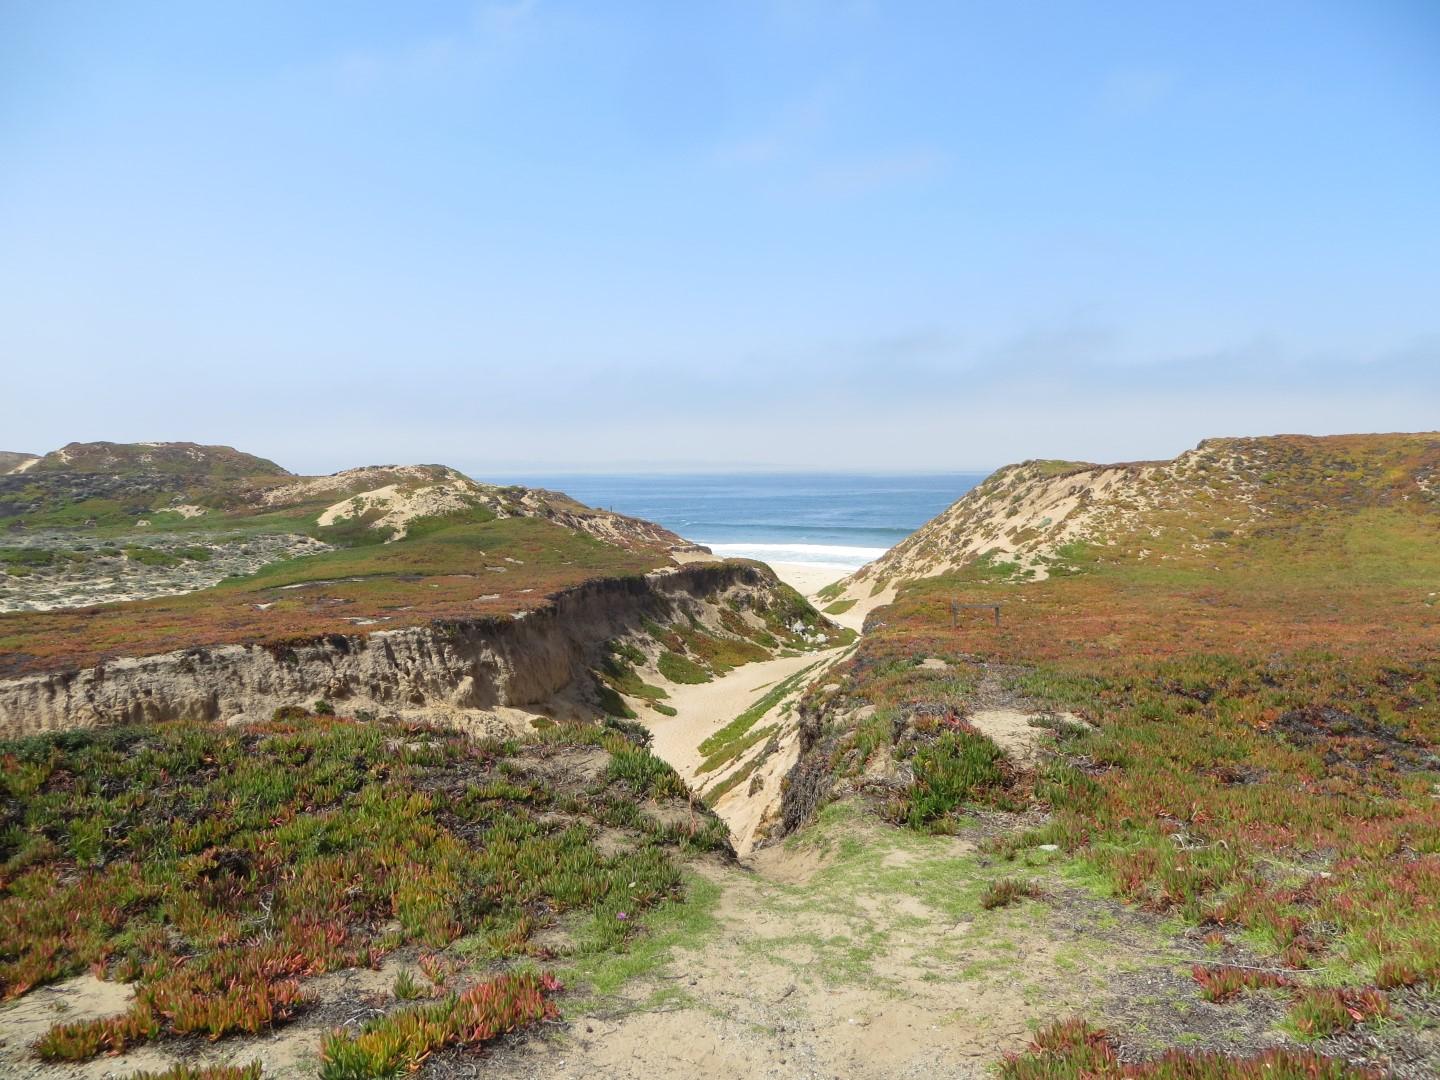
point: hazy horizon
(784, 236)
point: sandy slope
(705, 708)
(809, 578)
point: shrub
(406, 988)
(1005, 891)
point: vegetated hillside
(74, 538)
(184, 485)
(172, 458)
(276, 593)
(1229, 667)
(1205, 504)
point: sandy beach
(809, 578)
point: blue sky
(671, 235)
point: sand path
(852, 951)
(704, 708)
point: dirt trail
(856, 951)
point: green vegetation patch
(956, 768)
(735, 779)
(735, 747)
(26, 557)
(201, 1072)
(840, 607)
(681, 669)
(398, 1043)
(645, 773)
(149, 556)
(617, 672)
(1073, 1049)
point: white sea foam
(841, 556)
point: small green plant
(1073, 1050)
(406, 988)
(202, 1072)
(1328, 1010)
(1226, 983)
(1005, 891)
(645, 773)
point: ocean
(830, 519)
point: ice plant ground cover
(1255, 742)
(217, 869)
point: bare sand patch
(809, 578)
(1015, 731)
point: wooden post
(955, 607)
